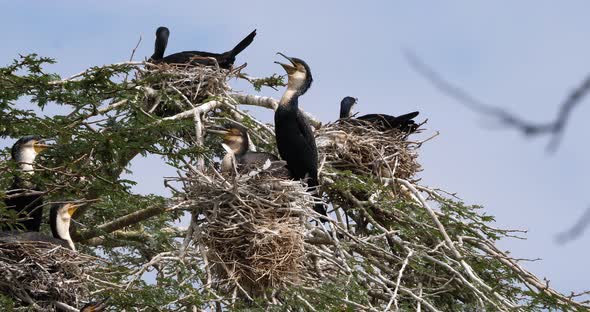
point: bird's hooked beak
(73, 207)
(225, 132)
(40, 146)
(290, 69)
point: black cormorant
(295, 139)
(236, 139)
(381, 121)
(23, 196)
(225, 60)
(59, 221)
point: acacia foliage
(104, 120)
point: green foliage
(107, 124)
(271, 82)
(93, 145)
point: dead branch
(553, 128)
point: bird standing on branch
(59, 221)
(23, 197)
(381, 121)
(295, 139)
(225, 60)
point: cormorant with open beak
(23, 197)
(295, 139)
(238, 143)
(381, 121)
(59, 221)
(225, 59)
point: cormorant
(236, 138)
(59, 221)
(23, 196)
(381, 121)
(295, 139)
(225, 60)
(95, 306)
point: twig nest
(40, 273)
(176, 88)
(365, 150)
(253, 229)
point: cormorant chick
(236, 138)
(23, 197)
(59, 221)
(380, 121)
(225, 59)
(295, 139)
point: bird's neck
(344, 113)
(61, 230)
(245, 146)
(159, 49)
(26, 160)
(290, 99)
(228, 163)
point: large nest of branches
(252, 229)
(179, 86)
(40, 274)
(363, 149)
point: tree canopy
(392, 243)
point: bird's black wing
(16, 236)
(385, 122)
(190, 57)
(224, 60)
(309, 139)
(312, 161)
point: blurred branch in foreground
(553, 128)
(576, 230)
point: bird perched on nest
(381, 121)
(295, 139)
(225, 59)
(239, 155)
(95, 306)
(23, 197)
(59, 221)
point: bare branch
(576, 230)
(553, 128)
(121, 222)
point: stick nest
(40, 273)
(252, 229)
(178, 86)
(365, 150)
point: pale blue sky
(524, 56)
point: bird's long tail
(405, 122)
(243, 44)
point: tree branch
(553, 128)
(243, 99)
(120, 223)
